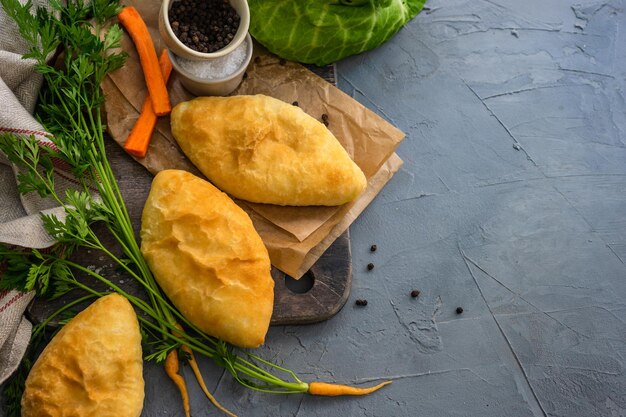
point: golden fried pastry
(260, 149)
(207, 258)
(91, 368)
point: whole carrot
(139, 138)
(130, 18)
(326, 389)
(171, 369)
(196, 371)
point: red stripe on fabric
(44, 135)
(62, 168)
(66, 177)
(58, 163)
(49, 145)
(3, 293)
(25, 132)
(61, 164)
(11, 301)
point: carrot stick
(171, 369)
(196, 371)
(323, 388)
(139, 137)
(131, 20)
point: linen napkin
(20, 223)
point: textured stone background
(511, 204)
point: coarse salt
(217, 68)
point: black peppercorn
(415, 293)
(295, 103)
(373, 248)
(257, 60)
(282, 61)
(459, 310)
(370, 266)
(192, 21)
(361, 303)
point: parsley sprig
(69, 109)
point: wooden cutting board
(317, 296)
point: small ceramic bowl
(212, 86)
(175, 45)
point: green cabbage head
(324, 31)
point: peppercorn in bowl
(203, 29)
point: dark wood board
(317, 296)
(320, 293)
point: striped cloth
(20, 222)
(14, 330)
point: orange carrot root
(171, 369)
(130, 18)
(139, 138)
(326, 389)
(200, 379)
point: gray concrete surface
(514, 190)
(511, 204)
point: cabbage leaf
(324, 31)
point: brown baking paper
(295, 236)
